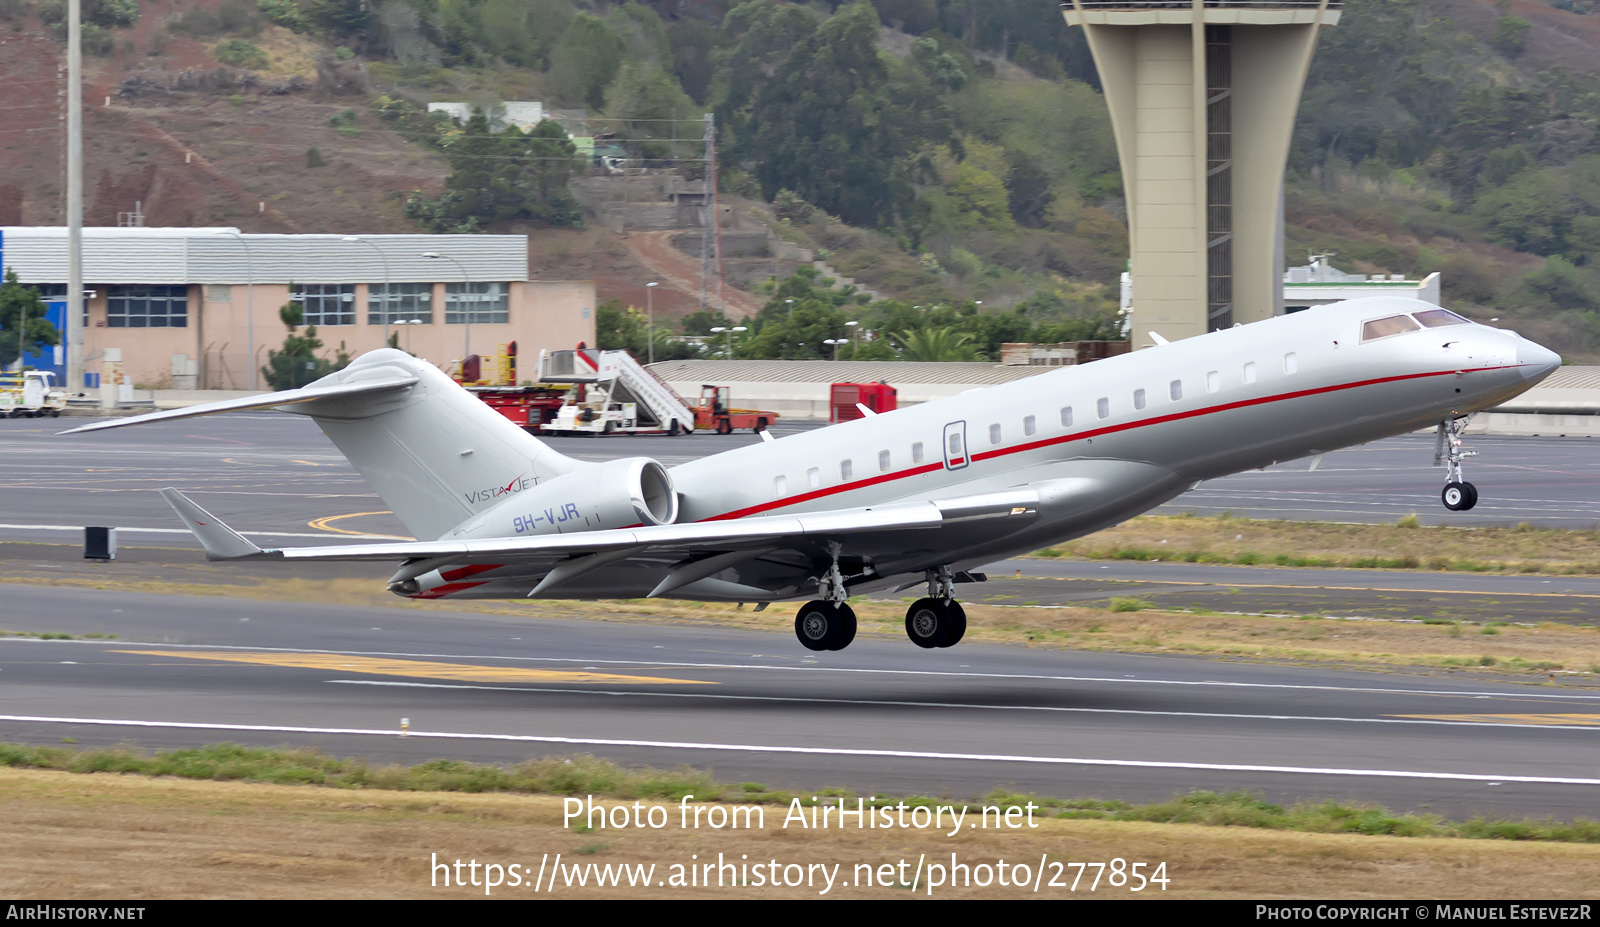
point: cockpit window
(1439, 318)
(1383, 328)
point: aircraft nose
(1536, 361)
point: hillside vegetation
(953, 153)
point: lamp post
(729, 331)
(249, 304)
(408, 323)
(467, 315)
(790, 304)
(836, 342)
(855, 330)
(650, 311)
(386, 293)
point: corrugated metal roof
(894, 373)
(1572, 378)
(216, 255)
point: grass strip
(588, 775)
(1405, 545)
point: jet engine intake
(614, 494)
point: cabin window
(883, 461)
(1138, 399)
(1066, 416)
(1175, 390)
(1391, 325)
(1291, 363)
(916, 452)
(994, 434)
(1250, 372)
(846, 469)
(1102, 407)
(1438, 318)
(814, 478)
(780, 486)
(955, 444)
(1213, 381)
(1029, 426)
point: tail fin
(434, 452)
(437, 455)
(220, 541)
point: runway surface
(277, 479)
(880, 717)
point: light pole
(386, 293)
(467, 315)
(408, 323)
(249, 304)
(650, 311)
(790, 304)
(836, 342)
(730, 331)
(855, 329)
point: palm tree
(935, 344)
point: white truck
(31, 394)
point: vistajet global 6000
(923, 495)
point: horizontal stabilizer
(263, 401)
(220, 541)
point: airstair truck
(31, 394)
(612, 394)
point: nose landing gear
(1458, 495)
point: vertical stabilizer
(435, 453)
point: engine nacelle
(615, 494)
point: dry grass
(107, 836)
(1521, 548)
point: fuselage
(1108, 440)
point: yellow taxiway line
(321, 524)
(426, 669)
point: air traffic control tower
(1202, 96)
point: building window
(1138, 399)
(399, 302)
(883, 461)
(326, 303)
(1066, 416)
(147, 307)
(1029, 426)
(916, 453)
(1176, 390)
(476, 303)
(846, 469)
(1103, 407)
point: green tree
(18, 302)
(501, 177)
(1509, 35)
(586, 59)
(935, 344)
(297, 363)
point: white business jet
(921, 495)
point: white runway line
(825, 751)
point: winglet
(220, 541)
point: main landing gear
(1458, 495)
(938, 620)
(827, 623)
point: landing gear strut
(827, 623)
(1458, 495)
(938, 620)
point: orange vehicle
(715, 413)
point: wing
(770, 556)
